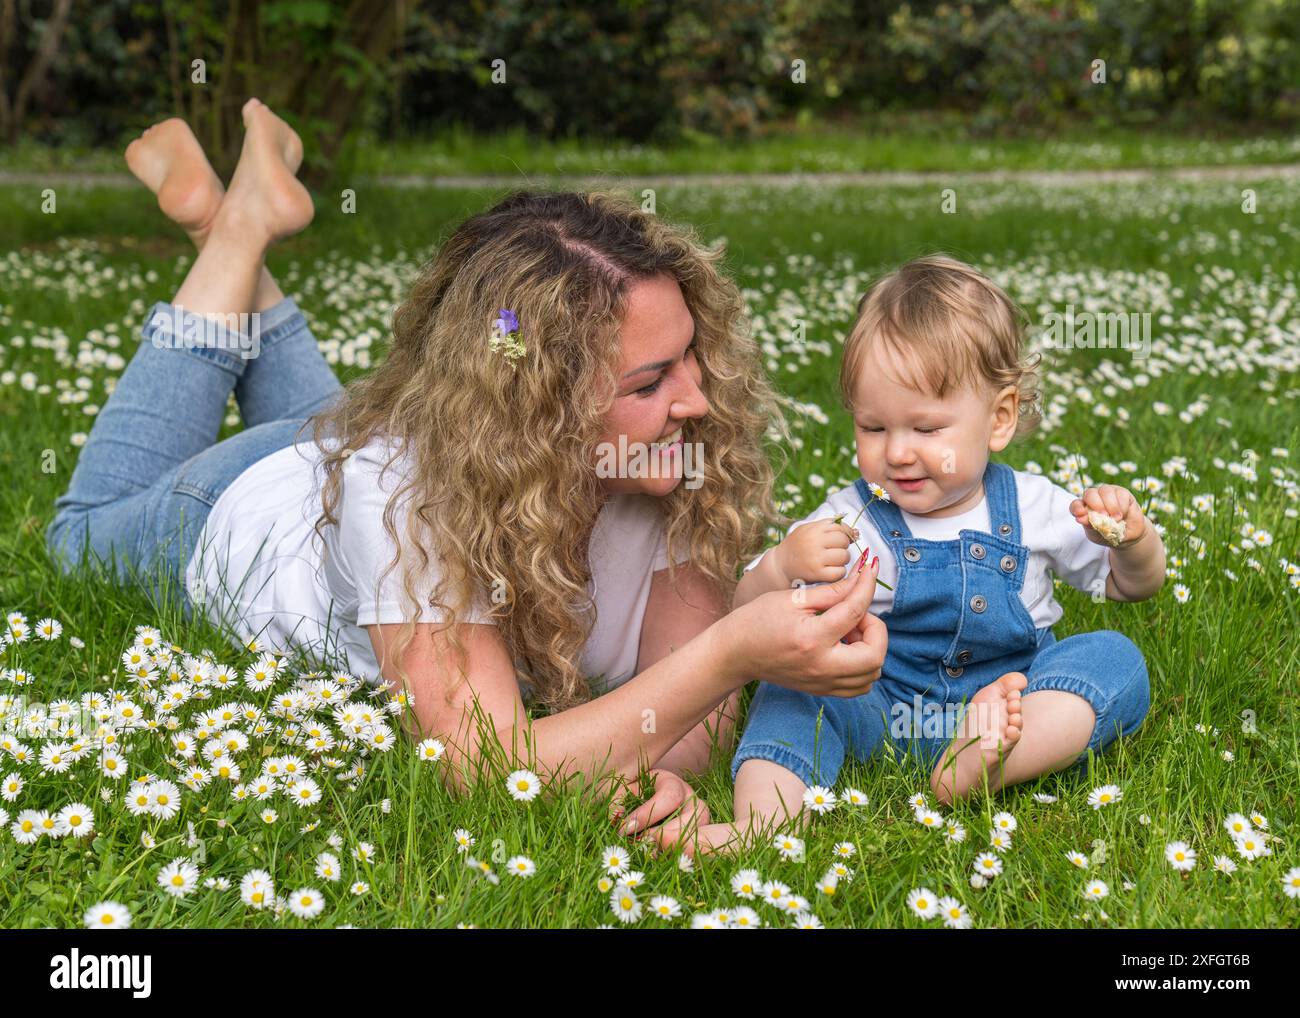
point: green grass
(1185, 252)
(884, 143)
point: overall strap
(1003, 502)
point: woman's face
(658, 390)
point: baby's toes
(1012, 683)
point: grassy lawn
(1204, 429)
(884, 143)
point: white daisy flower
(789, 846)
(107, 915)
(745, 884)
(306, 903)
(327, 866)
(954, 914)
(819, 799)
(523, 785)
(853, 797)
(1291, 883)
(807, 921)
(1180, 855)
(774, 892)
(1224, 865)
(1078, 858)
(1251, 846)
(1044, 797)
(1236, 823)
(1104, 796)
(178, 877)
(615, 860)
(745, 918)
(988, 865)
(76, 819)
(624, 902)
(304, 792)
(923, 902)
(430, 749)
(521, 866)
(256, 889)
(665, 907)
(1096, 889)
(928, 818)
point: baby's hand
(1117, 503)
(816, 552)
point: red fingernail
(862, 561)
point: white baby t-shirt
(261, 570)
(1056, 542)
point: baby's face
(928, 453)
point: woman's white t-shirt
(260, 570)
(1056, 542)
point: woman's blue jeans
(152, 468)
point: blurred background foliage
(95, 72)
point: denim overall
(957, 624)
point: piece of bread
(1108, 527)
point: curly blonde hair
(505, 491)
(952, 325)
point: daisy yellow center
(177, 880)
(107, 919)
(922, 903)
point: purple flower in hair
(505, 336)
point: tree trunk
(15, 113)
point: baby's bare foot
(987, 734)
(169, 160)
(265, 197)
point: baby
(975, 683)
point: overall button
(1004, 529)
(1008, 563)
(977, 603)
(954, 673)
(911, 554)
(964, 657)
(895, 533)
(977, 551)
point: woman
(548, 331)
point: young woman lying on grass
(452, 523)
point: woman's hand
(815, 552)
(791, 638)
(674, 806)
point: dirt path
(889, 178)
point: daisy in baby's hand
(1109, 516)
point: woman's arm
(607, 735)
(795, 641)
(671, 619)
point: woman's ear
(1006, 416)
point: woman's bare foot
(169, 160)
(265, 197)
(988, 732)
